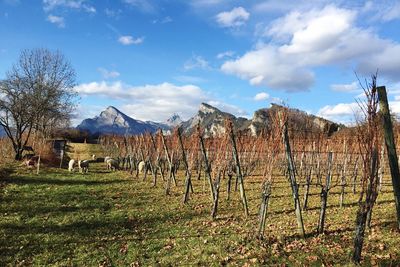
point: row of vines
(353, 159)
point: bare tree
(37, 95)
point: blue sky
(153, 58)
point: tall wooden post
(264, 207)
(157, 161)
(207, 171)
(390, 147)
(324, 195)
(239, 174)
(292, 175)
(168, 187)
(188, 181)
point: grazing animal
(71, 165)
(141, 166)
(83, 165)
(112, 164)
(31, 162)
(94, 157)
(106, 159)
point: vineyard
(288, 195)
(309, 165)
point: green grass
(111, 219)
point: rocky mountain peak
(110, 111)
(174, 120)
(206, 108)
(211, 119)
(112, 120)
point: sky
(154, 58)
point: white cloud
(49, 5)
(351, 87)
(234, 18)
(350, 113)
(59, 21)
(114, 90)
(149, 102)
(284, 6)
(129, 40)
(226, 54)
(301, 41)
(266, 66)
(395, 106)
(228, 108)
(382, 10)
(108, 74)
(274, 6)
(155, 102)
(261, 96)
(196, 62)
(277, 100)
(85, 111)
(343, 112)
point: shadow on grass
(62, 239)
(6, 172)
(91, 233)
(53, 181)
(345, 205)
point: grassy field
(112, 219)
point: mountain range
(211, 120)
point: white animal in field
(141, 166)
(31, 162)
(106, 159)
(71, 165)
(112, 164)
(94, 157)
(83, 165)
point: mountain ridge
(210, 119)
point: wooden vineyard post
(264, 207)
(364, 211)
(343, 174)
(149, 156)
(145, 164)
(390, 147)
(188, 181)
(170, 165)
(238, 171)
(324, 195)
(355, 173)
(292, 176)
(206, 164)
(309, 174)
(381, 170)
(157, 162)
(216, 195)
(229, 184)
